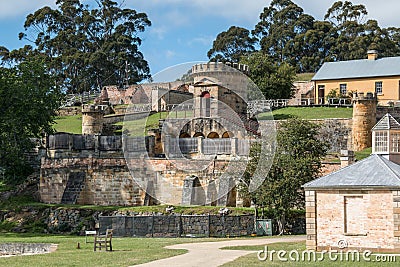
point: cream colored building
(358, 207)
(380, 76)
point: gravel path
(209, 254)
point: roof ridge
(389, 119)
(381, 159)
(392, 118)
(381, 121)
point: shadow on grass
(284, 116)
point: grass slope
(308, 113)
(304, 77)
(69, 124)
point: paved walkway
(210, 254)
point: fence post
(180, 226)
(209, 224)
(152, 225)
(133, 225)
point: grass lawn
(304, 77)
(363, 153)
(252, 260)
(311, 113)
(127, 251)
(135, 127)
(69, 124)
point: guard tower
(92, 119)
(364, 119)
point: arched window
(205, 104)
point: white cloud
(203, 40)
(236, 10)
(158, 31)
(170, 54)
(377, 10)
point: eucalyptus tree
(275, 80)
(279, 24)
(356, 35)
(87, 48)
(231, 45)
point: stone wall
(382, 111)
(328, 222)
(26, 248)
(176, 225)
(337, 132)
(304, 94)
(105, 181)
(137, 94)
(69, 111)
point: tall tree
(231, 45)
(88, 48)
(279, 24)
(355, 35)
(297, 161)
(273, 79)
(28, 101)
(314, 46)
(341, 13)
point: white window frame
(381, 141)
(379, 87)
(395, 142)
(343, 88)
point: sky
(184, 30)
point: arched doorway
(205, 94)
(205, 104)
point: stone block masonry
(176, 225)
(107, 181)
(367, 219)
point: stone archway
(198, 134)
(213, 135)
(227, 134)
(184, 135)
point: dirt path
(209, 254)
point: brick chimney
(346, 158)
(372, 54)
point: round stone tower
(364, 119)
(92, 119)
(229, 75)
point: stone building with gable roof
(358, 207)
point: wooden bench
(89, 233)
(101, 241)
